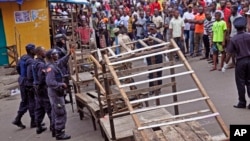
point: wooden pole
(125, 98)
(179, 121)
(168, 105)
(96, 62)
(202, 90)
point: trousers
(58, 112)
(242, 78)
(27, 101)
(42, 105)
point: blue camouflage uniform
(54, 81)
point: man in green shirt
(218, 35)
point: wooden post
(111, 121)
(202, 90)
(125, 98)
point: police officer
(42, 100)
(62, 58)
(54, 81)
(157, 59)
(26, 88)
(239, 46)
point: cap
(115, 30)
(190, 5)
(30, 47)
(240, 22)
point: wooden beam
(142, 43)
(168, 105)
(142, 68)
(145, 56)
(155, 79)
(179, 121)
(139, 54)
(151, 71)
(178, 116)
(98, 65)
(139, 91)
(100, 86)
(111, 51)
(125, 98)
(103, 49)
(99, 54)
(163, 95)
(140, 49)
(202, 90)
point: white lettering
(240, 132)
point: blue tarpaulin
(71, 1)
(18, 1)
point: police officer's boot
(60, 135)
(18, 122)
(40, 129)
(53, 131)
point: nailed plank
(200, 132)
(171, 134)
(186, 132)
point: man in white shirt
(158, 21)
(125, 19)
(176, 27)
(188, 16)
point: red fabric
(202, 3)
(227, 14)
(85, 33)
(154, 5)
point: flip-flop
(213, 69)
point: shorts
(217, 47)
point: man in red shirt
(85, 33)
(153, 6)
(226, 11)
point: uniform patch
(48, 69)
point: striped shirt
(208, 28)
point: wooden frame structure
(111, 60)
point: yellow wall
(36, 31)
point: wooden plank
(160, 135)
(155, 79)
(151, 71)
(186, 132)
(137, 54)
(171, 134)
(140, 91)
(202, 90)
(141, 68)
(142, 57)
(199, 131)
(96, 62)
(100, 86)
